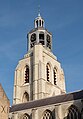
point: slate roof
(48, 101)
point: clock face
(33, 37)
(48, 38)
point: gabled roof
(2, 93)
(48, 101)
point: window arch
(73, 113)
(48, 71)
(25, 97)
(27, 74)
(47, 115)
(55, 75)
(25, 116)
(41, 38)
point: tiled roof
(48, 101)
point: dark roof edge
(48, 101)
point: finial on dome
(39, 11)
(39, 15)
(39, 21)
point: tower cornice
(39, 28)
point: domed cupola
(39, 21)
(39, 35)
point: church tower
(39, 74)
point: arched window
(55, 75)
(25, 116)
(48, 71)
(27, 74)
(25, 97)
(73, 113)
(41, 38)
(37, 23)
(47, 115)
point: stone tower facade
(39, 74)
(39, 85)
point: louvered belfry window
(55, 75)
(48, 72)
(27, 74)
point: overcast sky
(63, 18)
